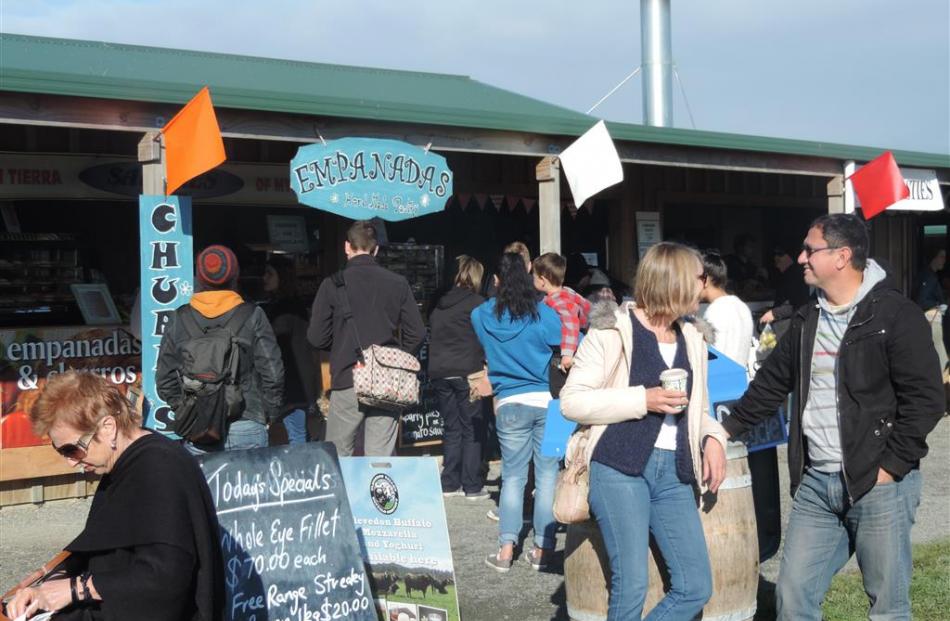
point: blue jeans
(628, 510)
(520, 429)
(296, 425)
(242, 434)
(825, 529)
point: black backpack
(210, 375)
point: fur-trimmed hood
(605, 314)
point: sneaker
(537, 558)
(493, 515)
(457, 492)
(499, 565)
(479, 495)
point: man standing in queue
(867, 382)
(383, 311)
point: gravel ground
(31, 534)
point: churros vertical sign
(167, 267)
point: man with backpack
(219, 365)
(361, 306)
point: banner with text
(363, 178)
(400, 521)
(167, 268)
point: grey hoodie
(820, 418)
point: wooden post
(152, 156)
(548, 175)
(835, 188)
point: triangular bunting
(464, 199)
(497, 200)
(529, 204)
(481, 199)
(512, 202)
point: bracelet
(73, 596)
(86, 594)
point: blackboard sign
(422, 423)
(290, 549)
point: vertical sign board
(287, 539)
(167, 268)
(400, 521)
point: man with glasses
(867, 385)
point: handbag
(479, 386)
(573, 483)
(384, 377)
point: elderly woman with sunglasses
(651, 451)
(149, 549)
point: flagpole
(152, 156)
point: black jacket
(454, 350)
(929, 294)
(151, 540)
(890, 394)
(261, 370)
(383, 308)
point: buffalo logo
(383, 491)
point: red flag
(193, 143)
(879, 184)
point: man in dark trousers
(384, 313)
(867, 387)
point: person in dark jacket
(384, 312)
(454, 353)
(149, 550)
(261, 369)
(867, 389)
(790, 292)
(288, 317)
(931, 298)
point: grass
(433, 599)
(929, 588)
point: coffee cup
(675, 379)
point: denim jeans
(628, 510)
(242, 434)
(464, 433)
(825, 529)
(296, 425)
(520, 429)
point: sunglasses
(76, 450)
(808, 250)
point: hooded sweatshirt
(454, 350)
(518, 350)
(213, 304)
(820, 418)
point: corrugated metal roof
(139, 73)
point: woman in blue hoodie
(517, 332)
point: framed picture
(95, 304)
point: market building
(72, 114)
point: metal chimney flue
(657, 54)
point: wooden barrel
(729, 527)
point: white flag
(591, 163)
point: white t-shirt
(733, 323)
(667, 437)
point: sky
(864, 72)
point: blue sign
(363, 178)
(727, 383)
(167, 268)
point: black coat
(454, 350)
(890, 394)
(261, 368)
(384, 310)
(151, 540)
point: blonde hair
(520, 248)
(469, 273)
(81, 399)
(667, 280)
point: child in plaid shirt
(571, 307)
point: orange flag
(193, 143)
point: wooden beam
(136, 116)
(548, 175)
(152, 155)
